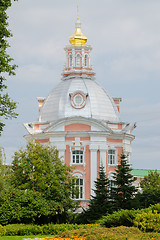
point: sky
(125, 36)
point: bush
(51, 229)
(125, 217)
(148, 221)
(2, 230)
(121, 217)
(118, 233)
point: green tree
(7, 106)
(1, 171)
(99, 203)
(150, 186)
(38, 168)
(123, 191)
(25, 206)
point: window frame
(77, 157)
(86, 60)
(79, 185)
(78, 60)
(112, 158)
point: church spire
(78, 38)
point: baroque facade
(82, 120)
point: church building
(82, 120)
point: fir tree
(123, 190)
(99, 204)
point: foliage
(2, 230)
(37, 168)
(57, 238)
(99, 204)
(150, 189)
(89, 231)
(24, 206)
(50, 229)
(148, 221)
(118, 233)
(123, 192)
(1, 171)
(118, 218)
(7, 106)
(125, 217)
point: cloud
(125, 37)
(40, 74)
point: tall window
(112, 185)
(70, 60)
(77, 188)
(111, 157)
(77, 156)
(86, 61)
(78, 60)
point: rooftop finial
(78, 38)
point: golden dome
(78, 38)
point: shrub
(148, 221)
(118, 233)
(47, 229)
(125, 217)
(2, 230)
(121, 217)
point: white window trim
(72, 163)
(80, 175)
(78, 65)
(115, 157)
(86, 65)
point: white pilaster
(93, 160)
(62, 154)
(73, 59)
(61, 149)
(82, 57)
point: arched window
(70, 60)
(78, 188)
(86, 61)
(78, 60)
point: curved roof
(99, 105)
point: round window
(78, 100)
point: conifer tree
(123, 191)
(99, 204)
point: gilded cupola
(78, 38)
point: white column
(83, 57)
(61, 154)
(61, 150)
(93, 168)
